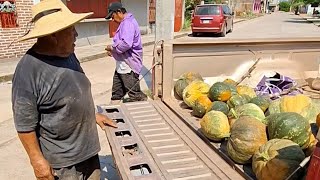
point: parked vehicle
(160, 139)
(212, 18)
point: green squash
(289, 125)
(243, 89)
(219, 106)
(301, 104)
(247, 135)
(202, 104)
(249, 109)
(230, 82)
(233, 89)
(277, 159)
(220, 92)
(215, 125)
(274, 107)
(262, 102)
(237, 100)
(193, 91)
(184, 80)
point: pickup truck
(160, 139)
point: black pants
(86, 170)
(127, 83)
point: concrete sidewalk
(84, 53)
(311, 19)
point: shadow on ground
(108, 169)
(298, 21)
(214, 35)
(147, 76)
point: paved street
(13, 159)
(14, 163)
(269, 26)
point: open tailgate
(151, 142)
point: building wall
(140, 10)
(95, 31)
(92, 32)
(7, 35)
(240, 6)
(256, 6)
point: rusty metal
(152, 11)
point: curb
(306, 19)
(103, 54)
(241, 20)
(6, 78)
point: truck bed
(159, 139)
(152, 142)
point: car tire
(194, 34)
(231, 29)
(224, 31)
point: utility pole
(165, 10)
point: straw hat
(50, 16)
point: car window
(207, 10)
(228, 9)
(225, 10)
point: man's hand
(109, 48)
(109, 53)
(42, 169)
(103, 120)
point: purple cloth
(275, 85)
(127, 45)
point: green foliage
(189, 6)
(307, 1)
(187, 23)
(284, 6)
(247, 15)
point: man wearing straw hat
(127, 51)
(52, 103)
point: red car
(212, 18)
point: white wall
(140, 10)
(310, 9)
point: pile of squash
(273, 136)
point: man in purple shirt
(127, 51)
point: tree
(284, 6)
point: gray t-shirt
(52, 96)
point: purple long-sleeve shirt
(127, 45)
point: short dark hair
(122, 10)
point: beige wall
(140, 10)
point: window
(8, 17)
(207, 10)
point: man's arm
(127, 35)
(41, 167)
